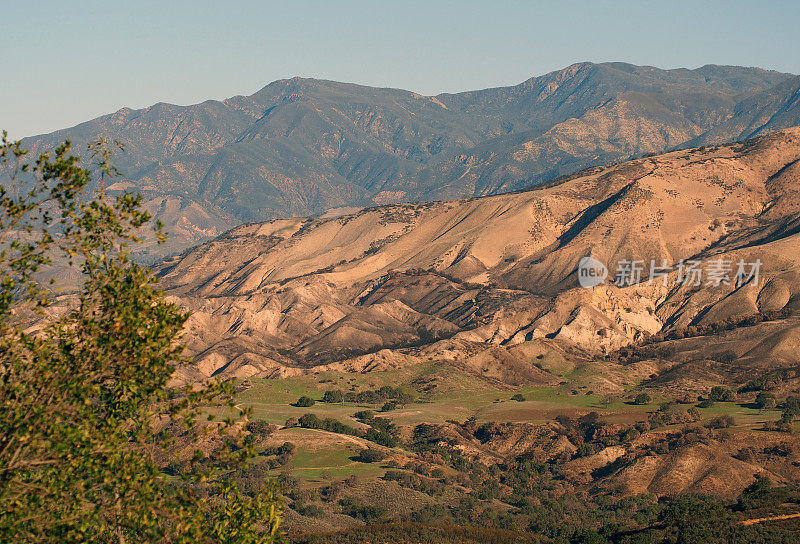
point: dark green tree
(333, 396)
(721, 394)
(305, 401)
(765, 400)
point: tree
(333, 396)
(87, 416)
(364, 416)
(720, 394)
(759, 494)
(305, 402)
(371, 455)
(765, 401)
(790, 412)
(642, 398)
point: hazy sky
(62, 64)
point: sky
(63, 63)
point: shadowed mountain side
(767, 111)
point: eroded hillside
(452, 277)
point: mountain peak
(301, 146)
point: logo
(591, 272)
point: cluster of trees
(376, 396)
(543, 513)
(364, 512)
(389, 397)
(277, 456)
(790, 410)
(721, 394)
(311, 421)
(544, 505)
(437, 532)
(429, 486)
(769, 381)
(431, 442)
(381, 431)
(726, 325)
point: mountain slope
(768, 111)
(304, 146)
(502, 270)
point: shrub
(364, 415)
(586, 449)
(362, 512)
(519, 397)
(283, 449)
(371, 455)
(784, 449)
(721, 422)
(418, 483)
(310, 510)
(726, 356)
(382, 438)
(259, 427)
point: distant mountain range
(306, 146)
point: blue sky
(62, 64)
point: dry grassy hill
(274, 298)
